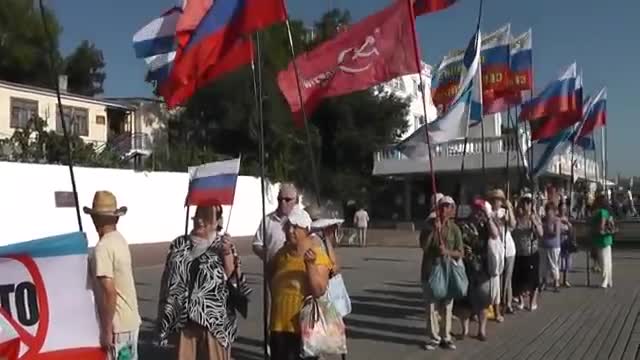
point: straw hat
(105, 204)
(496, 194)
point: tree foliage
(36, 144)
(24, 56)
(24, 49)
(85, 70)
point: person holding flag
(196, 300)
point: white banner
(46, 301)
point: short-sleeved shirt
(431, 247)
(600, 240)
(361, 219)
(289, 287)
(112, 259)
(275, 234)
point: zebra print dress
(195, 290)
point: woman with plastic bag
(440, 241)
(324, 228)
(304, 324)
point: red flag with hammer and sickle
(375, 50)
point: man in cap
(116, 292)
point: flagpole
(506, 143)
(603, 150)
(235, 186)
(314, 168)
(257, 90)
(424, 102)
(63, 123)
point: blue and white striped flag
(454, 123)
(155, 43)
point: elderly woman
(525, 235)
(194, 294)
(503, 249)
(299, 269)
(475, 235)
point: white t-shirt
(275, 234)
(361, 218)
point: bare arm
(318, 276)
(259, 251)
(537, 225)
(106, 303)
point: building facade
(459, 171)
(126, 126)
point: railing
(126, 143)
(455, 148)
(499, 145)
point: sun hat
(300, 218)
(105, 204)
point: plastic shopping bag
(439, 279)
(323, 331)
(458, 281)
(337, 293)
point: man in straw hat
(115, 291)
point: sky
(601, 36)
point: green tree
(24, 56)
(35, 144)
(85, 70)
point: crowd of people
(498, 261)
(504, 256)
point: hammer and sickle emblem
(367, 49)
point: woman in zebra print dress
(194, 293)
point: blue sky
(602, 36)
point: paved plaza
(387, 320)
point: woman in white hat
(299, 269)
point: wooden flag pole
(63, 123)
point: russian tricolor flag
(156, 43)
(595, 114)
(213, 183)
(560, 96)
(556, 122)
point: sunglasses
(285, 199)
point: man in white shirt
(266, 248)
(361, 220)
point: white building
(124, 125)
(502, 148)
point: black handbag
(239, 292)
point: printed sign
(46, 303)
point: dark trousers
(286, 346)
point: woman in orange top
(299, 269)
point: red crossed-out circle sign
(33, 342)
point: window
(77, 120)
(100, 120)
(22, 110)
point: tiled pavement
(387, 320)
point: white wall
(155, 201)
